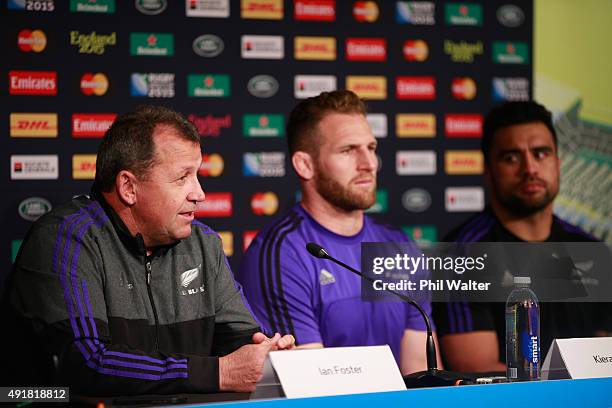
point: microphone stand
(432, 377)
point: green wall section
(573, 56)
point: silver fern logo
(325, 277)
(188, 276)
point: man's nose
(196, 194)
(368, 160)
(530, 164)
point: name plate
(336, 371)
(578, 358)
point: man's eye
(510, 158)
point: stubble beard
(343, 197)
(518, 205)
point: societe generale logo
(212, 165)
(314, 10)
(463, 125)
(94, 84)
(461, 199)
(460, 162)
(415, 87)
(365, 11)
(366, 49)
(415, 50)
(33, 83)
(84, 166)
(91, 124)
(33, 124)
(218, 204)
(31, 40)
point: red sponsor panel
(33, 83)
(247, 238)
(91, 124)
(366, 49)
(314, 10)
(417, 87)
(463, 125)
(215, 205)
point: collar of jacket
(134, 243)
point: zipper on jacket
(148, 271)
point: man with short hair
(522, 169)
(333, 153)
(125, 290)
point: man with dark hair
(333, 153)
(125, 290)
(522, 173)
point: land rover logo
(510, 15)
(208, 45)
(416, 200)
(151, 7)
(32, 208)
(263, 86)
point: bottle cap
(524, 280)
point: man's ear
(487, 175)
(126, 185)
(303, 164)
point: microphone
(432, 377)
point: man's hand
(241, 370)
(286, 342)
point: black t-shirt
(557, 319)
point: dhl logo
(315, 48)
(368, 87)
(84, 166)
(33, 124)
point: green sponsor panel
(263, 125)
(92, 6)
(382, 203)
(208, 85)
(423, 235)
(466, 14)
(152, 44)
(506, 52)
(15, 245)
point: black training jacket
(113, 321)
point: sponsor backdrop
(429, 71)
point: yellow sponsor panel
(262, 9)
(315, 48)
(33, 124)
(227, 238)
(415, 125)
(84, 166)
(368, 87)
(463, 162)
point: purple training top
(290, 291)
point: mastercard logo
(365, 11)
(264, 203)
(212, 165)
(463, 88)
(35, 40)
(94, 84)
(415, 50)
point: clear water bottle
(522, 332)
